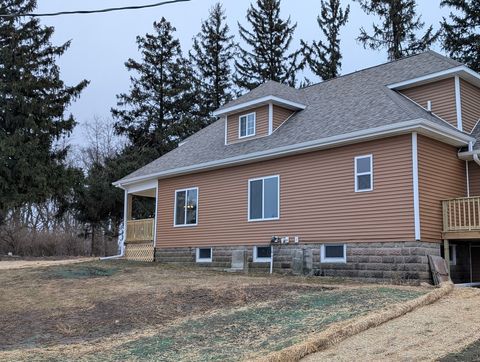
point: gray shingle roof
(353, 102)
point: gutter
(421, 125)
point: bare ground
(116, 310)
(426, 334)
(8, 263)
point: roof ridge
(377, 66)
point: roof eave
(423, 126)
(258, 102)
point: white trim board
(416, 197)
(458, 103)
(428, 128)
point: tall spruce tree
(461, 34)
(33, 101)
(211, 56)
(158, 112)
(268, 56)
(324, 57)
(398, 31)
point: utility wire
(83, 12)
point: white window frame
(324, 259)
(364, 173)
(175, 207)
(453, 254)
(263, 198)
(256, 259)
(203, 260)
(246, 125)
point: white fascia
(445, 134)
(460, 70)
(257, 102)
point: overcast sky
(101, 43)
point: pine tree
(324, 58)
(33, 101)
(213, 50)
(461, 37)
(158, 112)
(269, 41)
(397, 32)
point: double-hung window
(246, 125)
(364, 173)
(186, 207)
(264, 198)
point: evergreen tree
(397, 32)
(461, 37)
(269, 42)
(33, 100)
(158, 112)
(213, 50)
(324, 58)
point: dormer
(452, 95)
(260, 112)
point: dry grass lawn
(116, 310)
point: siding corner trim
(416, 198)
(458, 103)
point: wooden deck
(461, 218)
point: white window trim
(263, 198)
(256, 259)
(364, 173)
(324, 259)
(175, 208)
(453, 255)
(203, 260)
(246, 125)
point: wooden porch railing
(461, 214)
(140, 230)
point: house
(360, 176)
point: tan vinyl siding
(474, 177)
(280, 115)
(441, 175)
(317, 199)
(442, 96)
(470, 96)
(261, 124)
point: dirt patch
(426, 334)
(6, 263)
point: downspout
(122, 245)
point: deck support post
(446, 253)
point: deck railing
(140, 230)
(461, 214)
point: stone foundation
(397, 262)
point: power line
(83, 12)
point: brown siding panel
(441, 175)
(280, 115)
(442, 96)
(470, 96)
(474, 177)
(261, 124)
(317, 199)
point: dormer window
(246, 125)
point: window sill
(184, 226)
(270, 219)
(333, 261)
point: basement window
(364, 173)
(246, 126)
(262, 254)
(204, 255)
(186, 207)
(333, 253)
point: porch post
(446, 253)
